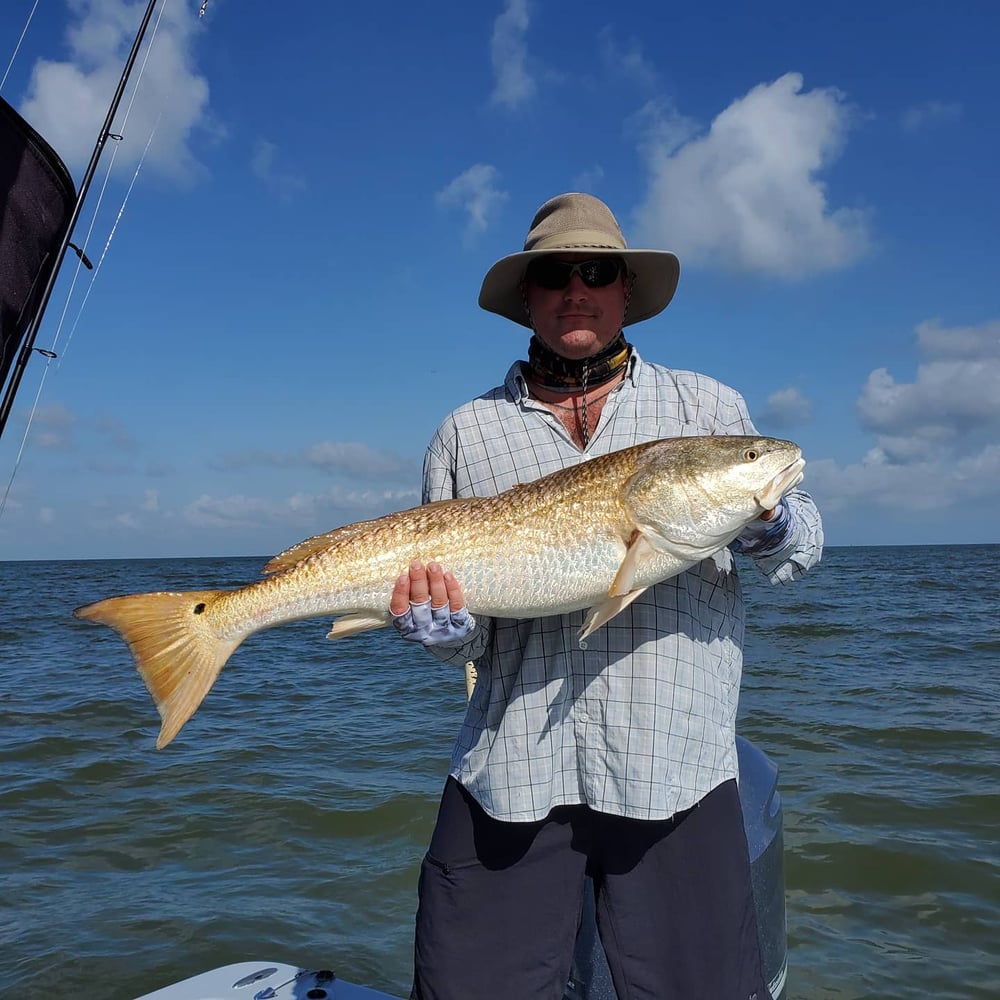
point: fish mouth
(789, 477)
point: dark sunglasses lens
(599, 272)
(547, 272)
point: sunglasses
(554, 274)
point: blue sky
(287, 307)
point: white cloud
(328, 510)
(118, 433)
(264, 168)
(928, 114)
(476, 193)
(68, 101)
(52, 427)
(350, 458)
(970, 342)
(355, 459)
(928, 485)
(953, 403)
(937, 436)
(659, 129)
(747, 194)
(588, 179)
(785, 408)
(512, 81)
(231, 512)
(627, 60)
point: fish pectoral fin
(621, 592)
(353, 624)
(640, 548)
(606, 610)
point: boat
(39, 207)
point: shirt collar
(515, 384)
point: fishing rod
(29, 339)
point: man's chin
(579, 342)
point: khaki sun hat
(573, 223)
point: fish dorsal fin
(639, 550)
(318, 543)
(309, 547)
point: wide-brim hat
(574, 223)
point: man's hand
(428, 606)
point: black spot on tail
(199, 609)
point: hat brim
(656, 275)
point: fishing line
(99, 202)
(107, 178)
(111, 236)
(51, 354)
(17, 48)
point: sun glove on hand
(434, 626)
(761, 538)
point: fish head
(694, 495)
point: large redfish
(594, 536)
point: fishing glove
(434, 626)
(761, 538)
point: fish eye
(751, 454)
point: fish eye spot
(199, 608)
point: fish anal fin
(639, 550)
(606, 610)
(353, 624)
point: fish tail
(177, 651)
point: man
(616, 760)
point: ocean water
(289, 818)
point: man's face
(576, 321)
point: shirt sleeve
(439, 467)
(785, 550)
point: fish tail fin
(177, 651)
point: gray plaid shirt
(641, 723)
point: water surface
(289, 818)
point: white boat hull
(265, 981)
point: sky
(292, 232)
